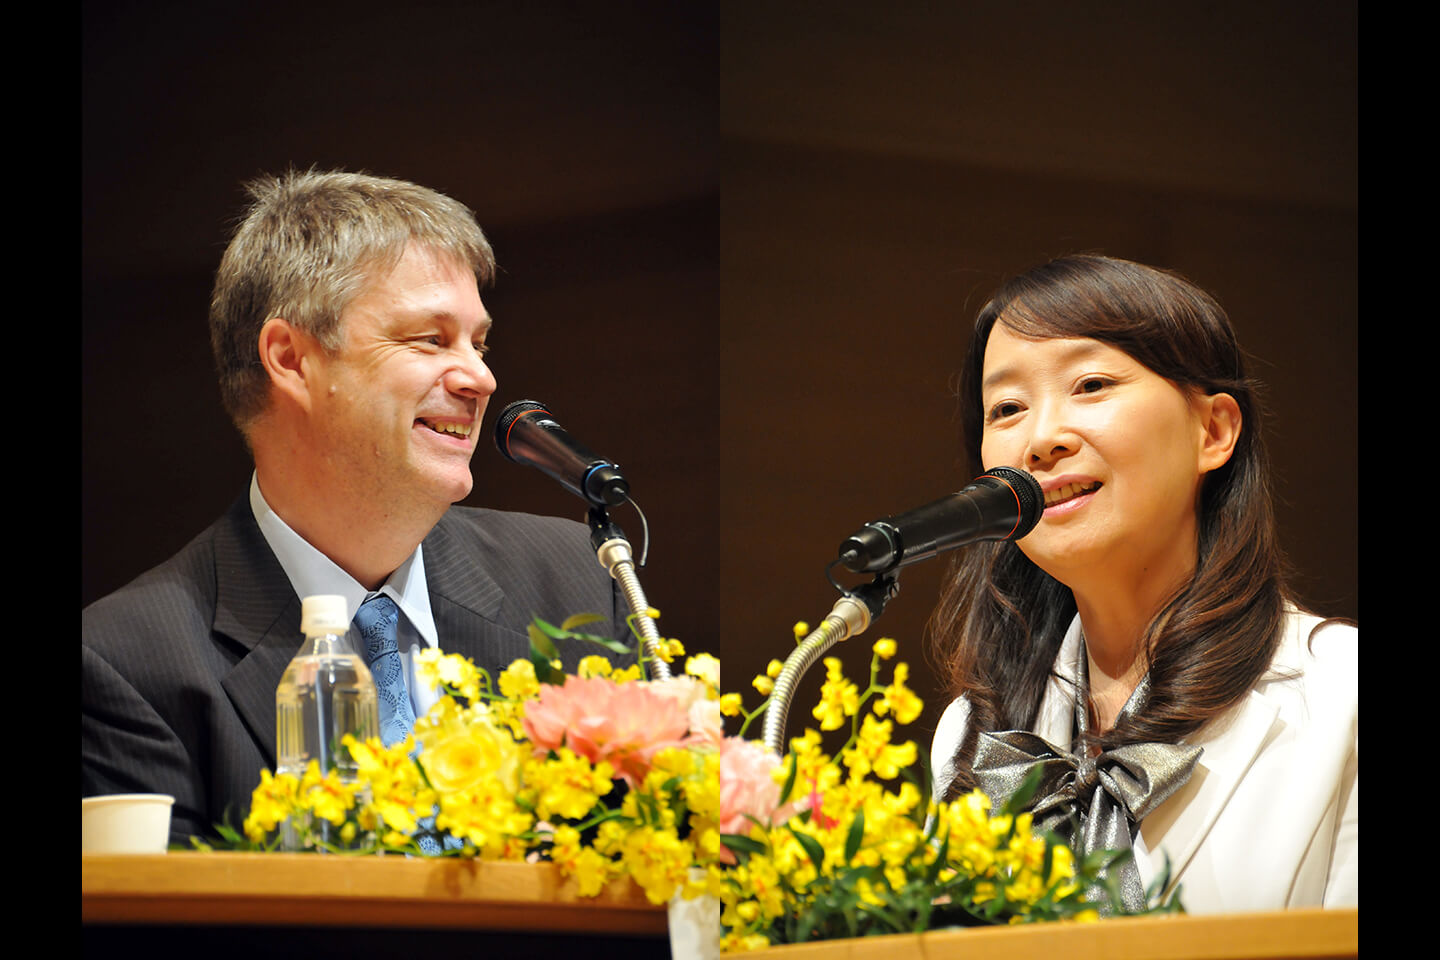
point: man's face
(396, 411)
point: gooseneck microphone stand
(613, 551)
(851, 616)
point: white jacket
(1270, 818)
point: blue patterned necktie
(378, 619)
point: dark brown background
(742, 245)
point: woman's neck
(1113, 678)
(1115, 622)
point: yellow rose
(470, 755)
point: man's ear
(283, 352)
(1220, 416)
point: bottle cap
(325, 613)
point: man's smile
(452, 427)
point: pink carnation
(747, 786)
(624, 724)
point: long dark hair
(1001, 619)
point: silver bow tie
(1104, 794)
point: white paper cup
(125, 823)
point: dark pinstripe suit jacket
(179, 667)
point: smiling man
(351, 344)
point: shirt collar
(312, 573)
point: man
(350, 341)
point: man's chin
(459, 491)
(443, 492)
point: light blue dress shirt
(312, 573)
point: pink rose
(747, 786)
(624, 724)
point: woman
(1139, 644)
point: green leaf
(739, 844)
(542, 653)
(812, 848)
(566, 631)
(932, 827)
(940, 860)
(856, 836)
(790, 779)
(807, 923)
(925, 783)
(1100, 860)
(579, 620)
(540, 643)
(1162, 880)
(425, 777)
(890, 921)
(229, 833)
(1173, 905)
(609, 643)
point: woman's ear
(1221, 420)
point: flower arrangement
(607, 774)
(818, 847)
(604, 772)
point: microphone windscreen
(508, 418)
(1027, 492)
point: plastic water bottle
(326, 692)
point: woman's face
(1119, 452)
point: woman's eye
(1093, 384)
(1003, 409)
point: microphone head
(527, 433)
(1027, 493)
(1000, 504)
(506, 421)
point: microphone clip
(874, 595)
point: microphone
(1000, 504)
(527, 434)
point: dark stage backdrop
(742, 245)
(882, 172)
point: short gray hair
(305, 248)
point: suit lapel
(453, 575)
(256, 608)
(1182, 822)
(471, 616)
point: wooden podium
(265, 906)
(276, 904)
(1281, 935)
